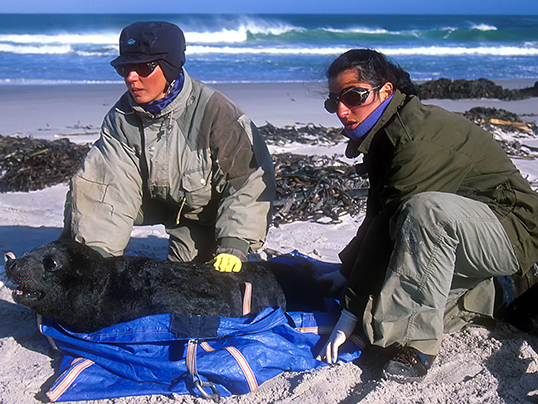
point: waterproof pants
(446, 247)
(191, 242)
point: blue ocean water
(77, 48)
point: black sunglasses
(142, 69)
(351, 97)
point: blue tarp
(163, 354)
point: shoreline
(77, 110)
(508, 83)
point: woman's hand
(226, 263)
(342, 330)
(334, 282)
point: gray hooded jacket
(199, 162)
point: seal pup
(74, 285)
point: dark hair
(373, 68)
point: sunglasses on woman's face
(142, 69)
(351, 97)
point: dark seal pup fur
(74, 285)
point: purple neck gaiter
(364, 127)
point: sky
(523, 7)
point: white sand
(474, 366)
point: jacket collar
(354, 148)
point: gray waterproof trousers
(447, 250)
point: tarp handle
(200, 384)
(191, 366)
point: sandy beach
(475, 365)
(46, 111)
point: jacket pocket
(197, 187)
(89, 193)
(504, 198)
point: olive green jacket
(200, 160)
(416, 148)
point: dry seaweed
(490, 118)
(309, 188)
(28, 164)
(458, 89)
(316, 188)
(499, 122)
(310, 134)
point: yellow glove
(226, 263)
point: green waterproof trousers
(440, 277)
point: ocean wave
(360, 30)
(271, 28)
(35, 50)
(237, 30)
(293, 34)
(239, 35)
(223, 36)
(55, 81)
(461, 51)
(484, 27)
(235, 35)
(107, 51)
(527, 49)
(63, 39)
(259, 31)
(228, 50)
(422, 51)
(226, 47)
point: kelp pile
(500, 122)
(316, 188)
(310, 134)
(309, 188)
(458, 89)
(28, 164)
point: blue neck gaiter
(364, 127)
(158, 105)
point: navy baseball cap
(148, 41)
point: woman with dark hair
(176, 152)
(447, 212)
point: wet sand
(43, 111)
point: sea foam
(35, 50)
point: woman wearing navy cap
(176, 152)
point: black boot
(408, 365)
